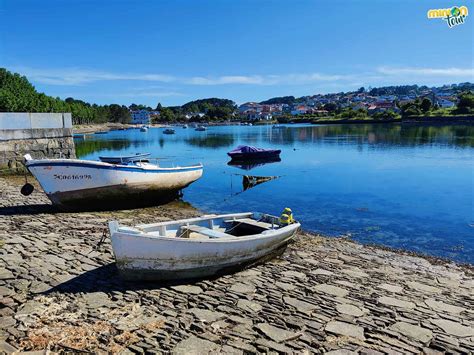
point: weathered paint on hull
(112, 198)
(197, 273)
(160, 258)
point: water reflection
(211, 141)
(377, 134)
(85, 147)
(381, 136)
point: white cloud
(143, 94)
(287, 79)
(380, 76)
(76, 76)
(468, 73)
(228, 79)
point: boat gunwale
(104, 165)
(235, 239)
(193, 219)
(232, 239)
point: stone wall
(43, 135)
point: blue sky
(176, 51)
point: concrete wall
(39, 134)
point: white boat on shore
(197, 247)
(126, 182)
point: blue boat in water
(247, 152)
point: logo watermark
(453, 16)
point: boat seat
(251, 222)
(211, 233)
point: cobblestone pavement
(59, 291)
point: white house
(140, 117)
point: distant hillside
(289, 100)
(204, 105)
(384, 90)
(415, 89)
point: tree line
(17, 94)
(419, 107)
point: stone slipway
(59, 291)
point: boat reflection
(252, 164)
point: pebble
(423, 287)
(454, 328)
(206, 315)
(442, 306)
(249, 306)
(275, 333)
(194, 345)
(391, 301)
(391, 288)
(347, 329)
(412, 331)
(189, 289)
(331, 290)
(349, 309)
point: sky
(129, 51)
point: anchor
(27, 189)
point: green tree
(466, 103)
(387, 114)
(425, 105)
(167, 115)
(18, 95)
(411, 109)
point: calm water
(408, 187)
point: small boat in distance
(200, 128)
(143, 129)
(247, 152)
(169, 131)
(74, 184)
(198, 247)
(185, 126)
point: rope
(231, 229)
(102, 239)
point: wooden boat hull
(114, 197)
(168, 258)
(89, 185)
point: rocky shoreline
(59, 291)
(100, 127)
